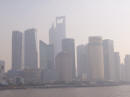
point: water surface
(115, 91)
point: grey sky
(108, 18)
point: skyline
(111, 22)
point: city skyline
(96, 61)
(109, 19)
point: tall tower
(16, 50)
(43, 55)
(82, 62)
(64, 65)
(109, 65)
(30, 49)
(117, 67)
(48, 72)
(96, 60)
(57, 34)
(46, 56)
(127, 67)
(68, 45)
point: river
(115, 91)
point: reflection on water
(118, 91)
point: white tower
(96, 60)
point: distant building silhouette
(127, 68)
(46, 56)
(82, 62)
(68, 45)
(2, 73)
(56, 34)
(117, 67)
(30, 49)
(109, 65)
(17, 51)
(64, 66)
(96, 60)
(47, 62)
(123, 72)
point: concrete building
(117, 67)
(123, 72)
(96, 59)
(17, 51)
(30, 49)
(31, 76)
(82, 62)
(43, 55)
(46, 56)
(2, 73)
(47, 62)
(14, 76)
(127, 67)
(109, 65)
(57, 34)
(64, 65)
(68, 45)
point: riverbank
(63, 85)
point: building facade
(47, 65)
(127, 68)
(117, 67)
(109, 65)
(57, 34)
(82, 62)
(96, 59)
(64, 65)
(2, 73)
(17, 50)
(30, 49)
(68, 45)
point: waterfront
(114, 91)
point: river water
(115, 91)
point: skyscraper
(46, 56)
(123, 72)
(127, 67)
(30, 49)
(109, 65)
(64, 65)
(16, 51)
(57, 34)
(117, 67)
(47, 62)
(43, 55)
(96, 60)
(68, 45)
(82, 62)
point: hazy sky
(107, 18)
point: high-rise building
(16, 51)
(109, 65)
(68, 45)
(123, 72)
(2, 72)
(43, 55)
(52, 35)
(127, 67)
(96, 60)
(64, 65)
(47, 62)
(30, 49)
(82, 62)
(57, 34)
(117, 67)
